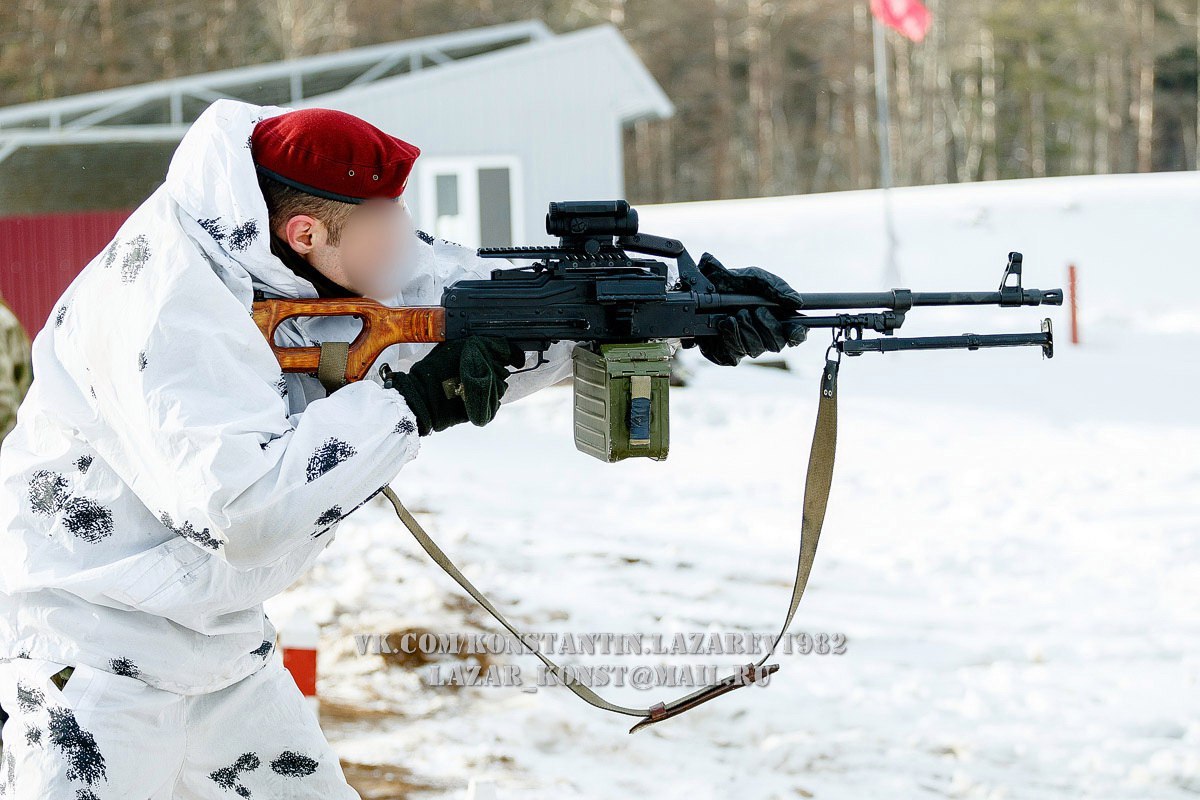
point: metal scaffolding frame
(161, 111)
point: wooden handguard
(382, 326)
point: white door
(475, 201)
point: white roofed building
(508, 118)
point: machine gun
(598, 288)
(599, 293)
(594, 288)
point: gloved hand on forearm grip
(748, 332)
(457, 381)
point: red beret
(332, 154)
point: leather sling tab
(331, 368)
(816, 497)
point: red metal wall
(40, 255)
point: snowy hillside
(1012, 546)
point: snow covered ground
(1012, 546)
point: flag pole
(891, 269)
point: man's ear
(303, 233)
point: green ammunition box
(621, 407)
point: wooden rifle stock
(382, 326)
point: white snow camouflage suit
(161, 482)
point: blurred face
(374, 246)
(371, 255)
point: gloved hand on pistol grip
(749, 331)
(457, 381)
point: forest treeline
(772, 96)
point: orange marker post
(298, 640)
(1074, 306)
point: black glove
(457, 381)
(749, 332)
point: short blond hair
(285, 202)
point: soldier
(166, 477)
(15, 371)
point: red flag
(909, 17)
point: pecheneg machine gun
(606, 287)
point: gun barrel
(897, 299)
